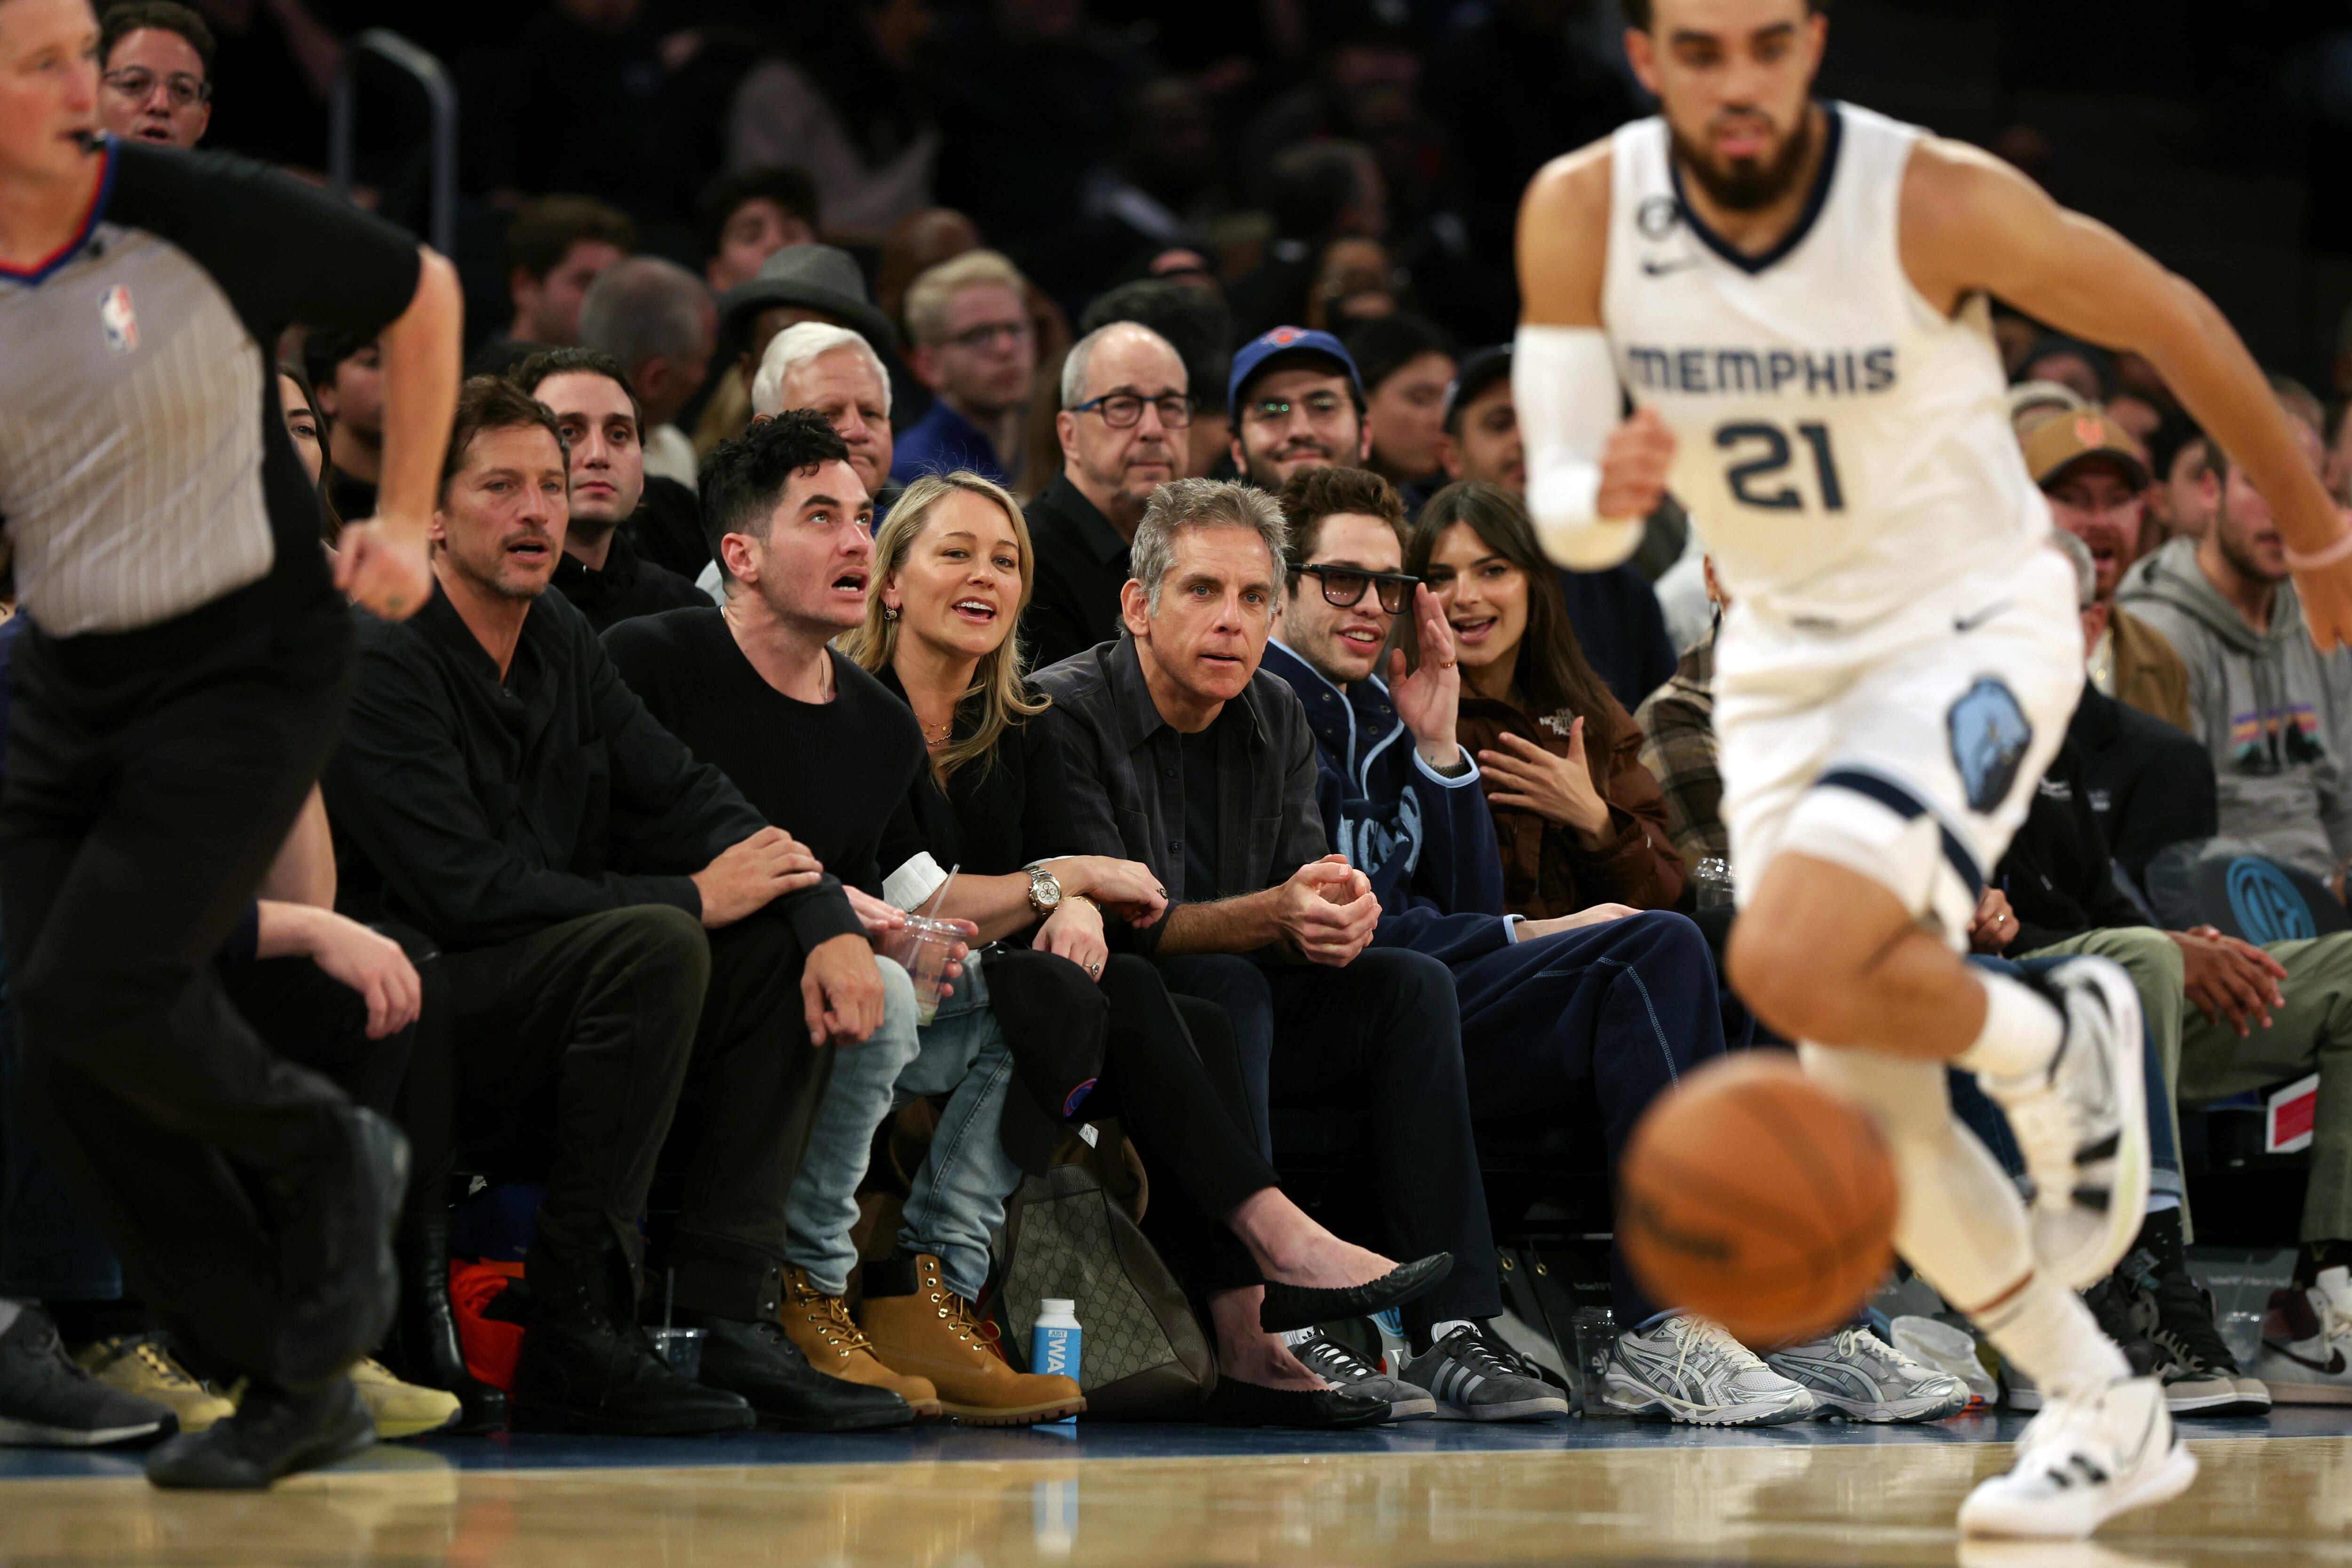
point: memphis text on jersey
(1834, 372)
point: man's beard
(2241, 554)
(1748, 186)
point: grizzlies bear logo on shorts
(1990, 737)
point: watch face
(1044, 889)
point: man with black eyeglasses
(1297, 403)
(1125, 410)
(977, 352)
(156, 63)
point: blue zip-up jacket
(1425, 841)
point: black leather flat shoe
(1303, 1306)
(1233, 1402)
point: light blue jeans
(960, 1192)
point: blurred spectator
(2272, 709)
(747, 217)
(1351, 281)
(846, 107)
(1480, 434)
(578, 106)
(309, 429)
(2088, 372)
(1677, 725)
(1407, 363)
(600, 420)
(271, 67)
(832, 370)
(975, 347)
(913, 247)
(2097, 488)
(346, 372)
(1164, 162)
(1124, 409)
(1028, 94)
(656, 319)
(1195, 320)
(1296, 403)
(550, 252)
(2179, 459)
(1514, 93)
(799, 283)
(156, 60)
(1367, 52)
(2138, 417)
(1316, 194)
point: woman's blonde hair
(996, 683)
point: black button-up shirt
(1081, 566)
(1125, 769)
(480, 812)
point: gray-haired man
(657, 319)
(1183, 754)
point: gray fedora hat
(820, 277)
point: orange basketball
(1754, 1196)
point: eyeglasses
(138, 81)
(1122, 411)
(979, 339)
(1321, 407)
(1344, 586)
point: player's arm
(382, 563)
(1970, 222)
(1591, 478)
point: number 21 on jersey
(1762, 456)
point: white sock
(1439, 1331)
(2050, 1334)
(8, 1311)
(2021, 1030)
(2336, 1284)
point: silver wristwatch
(1044, 891)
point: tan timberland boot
(821, 1325)
(931, 1331)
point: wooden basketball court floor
(2271, 1492)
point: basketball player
(181, 684)
(1794, 294)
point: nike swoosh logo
(1965, 624)
(1657, 268)
(2333, 1366)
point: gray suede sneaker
(1343, 1369)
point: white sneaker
(1688, 1368)
(1855, 1373)
(2081, 1125)
(2086, 1459)
(2306, 1355)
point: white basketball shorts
(1908, 749)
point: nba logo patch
(120, 321)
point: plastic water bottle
(1055, 1339)
(1713, 882)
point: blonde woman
(951, 572)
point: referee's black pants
(151, 776)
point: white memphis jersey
(1840, 445)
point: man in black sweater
(618, 927)
(604, 441)
(823, 747)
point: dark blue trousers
(1607, 1017)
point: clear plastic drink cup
(922, 947)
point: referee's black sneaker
(274, 1433)
(47, 1402)
(336, 1213)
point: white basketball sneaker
(2082, 1125)
(1686, 1368)
(1855, 1373)
(2086, 1459)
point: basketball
(1753, 1196)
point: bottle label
(1055, 1350)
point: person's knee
(899, 1035)
(663, 939)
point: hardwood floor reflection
(2259, 1500)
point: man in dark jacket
(617, 928)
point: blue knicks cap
(1284, 342)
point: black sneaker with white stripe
(1343, 1369)
(47, 1402)
(1476, 1377)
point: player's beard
(1746, 185)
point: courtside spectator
(156, 62)
(799, 283)
(1197, 324)
(2275, 713)
(1407, 363)
(2097, 490)
(1125, 409)
(1295, 402)
(975, 348)
(1183, 754)
(844, 103)
(551, 252)
(748, 216)
(617, 926)
(2177, 501)
(600, 573)
(346, 372)
(1677, 725)
(658, 321)
(1479, 433)
(835, 371)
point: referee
(179, 689)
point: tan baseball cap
(2057, 445)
